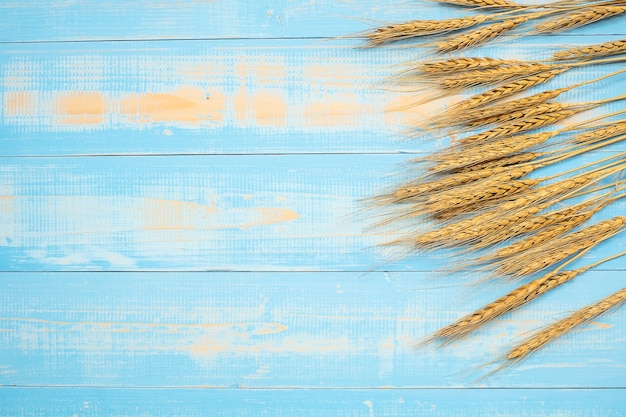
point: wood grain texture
(181, 229)
(241, 213)
(228, 97)
(86, 402)
(305, 330)
(51, 20)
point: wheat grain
(601, 133)
(566, 324)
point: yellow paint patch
(82, 108)
(188, 105)
(336, 110)
(270, 108)
(19, 103)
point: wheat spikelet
(482, 3)
(491, 75)
(579, 18)
(509, 302)
(446, 66)
(507, 90)
(501, 162)
(415, 28)
(518, 126)
(520, 114)
(564, 325)
(556, 250)
(592, 51)
(479, 36)
(487, 151)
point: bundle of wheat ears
(476, 197)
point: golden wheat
(566, 324)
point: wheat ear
(566, 324)
(556, 250)
(579, 18)
(447, 66)
(479, 36)
(520, 296)
(507, 90)
(592, 51)
(416, 28)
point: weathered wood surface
(182, 233)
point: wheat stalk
(566, 324)
(592, 51)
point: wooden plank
(306, 330)
(51, 20)
(227, 97)
(243, 213)
(85, 402)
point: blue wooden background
(181, 229)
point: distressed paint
(241, 213)
(340, 330)
(177, 81)
(226, 97)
